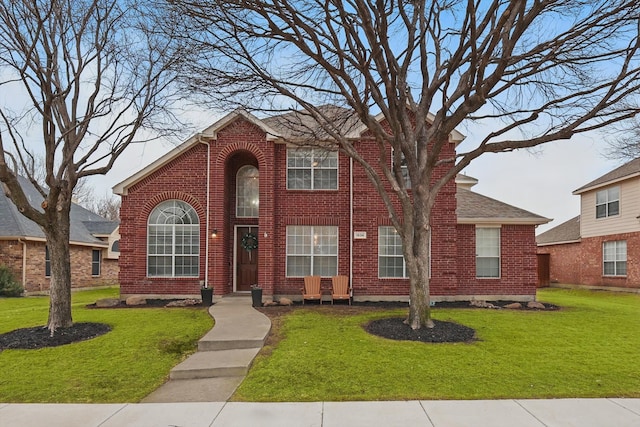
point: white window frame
(172, 224)
(405, 273)
(605, 199)
(614, 253)
(382, 236)
(47, 262)
(479, 256)
(316, 155)
(96, 263)
(253, 209)
(294, 251)
(403, 167)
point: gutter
(351, 224)
(208, 220)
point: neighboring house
(93, 245)
(238, 205)
(601, 246)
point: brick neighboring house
(601, 246)
(93, 240)
(238, 205)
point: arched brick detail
(235, 147)
(154, 201)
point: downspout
(24, 263)
(208, 220)
(351, 223)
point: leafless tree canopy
(518, 73)
(87, 78)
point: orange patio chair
(312, 289)
(340, 288)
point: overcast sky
(540, 181)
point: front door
(246, 258)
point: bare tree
(94, 76)
(624, 141)
(36, 170)
(107, 206)
(517, 73)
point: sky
(540, 182)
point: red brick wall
(242, 143)
(582, 263)
(81, 257)
(518, 262)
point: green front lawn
(587, 349)
(123, 365)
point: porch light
(214, 233)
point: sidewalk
(443, 413)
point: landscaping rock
(269, 303)
(107, 302)
(285, 301)
(136, 300)
(481, 304)
(513, 306)
(535, 304)
(184, 303)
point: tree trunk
(57, 232)
(418, 260)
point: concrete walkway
(443, 413)
(223, 358)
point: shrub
(9, 287)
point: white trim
(286, 250)
(454, 137)
(563, 242)
(497, 222)
(499, 276)
(210, 132)
(605, 184)
(313, 149)
(238, 187)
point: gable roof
(474, 208)
(288, 126)
(628, 170)
(85, 225)
(567, 232)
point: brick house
(93, 246)
(237, 205)
(601, 246)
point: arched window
(247, 192)
(173, 240)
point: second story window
(608, 202)
(247, 192)
(312, 169)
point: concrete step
(229, 344)
(212, 364)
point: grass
(123, 365)
(587, 349)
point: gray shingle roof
(627, 170)
(84, 223)
(568, 231)
(298, 125)
(476, 208)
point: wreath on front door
(249, 243)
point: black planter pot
(207, 296)
(256, 297)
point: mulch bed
(394, 328)
(40, 336)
